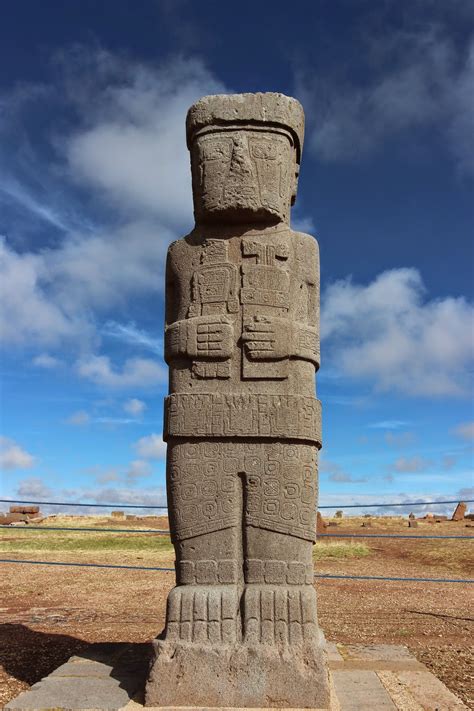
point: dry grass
(339, 549)
(118, 546)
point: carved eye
(213, 149)
(264, 149)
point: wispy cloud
(465, 430)
(44, 360)
(134, 373)
(125, 150)
(400, 439)
(13, 456)
(388, 424)
(129, 333)
(418, 78)
(410, 465)
(15, 191)
(79, 418)
(37, 488)
(337, 474)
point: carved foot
(203, 614)
(279, 614)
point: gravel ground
(49, 613)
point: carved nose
(240, 161)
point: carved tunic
(251, 415)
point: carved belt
(221, 415)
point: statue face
(243, 175)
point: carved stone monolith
(242, 423)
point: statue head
(245, 156)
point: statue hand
(209, 337)
(267, 338)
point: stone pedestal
(109, 678)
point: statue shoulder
(177, 251)
(307, 244)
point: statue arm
(306, 335)
(277, 338)
(197, 337)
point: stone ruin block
(321, 524)
(25, 510)
(459, 512)
(6, 519)
(242, 423)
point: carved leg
(279, 600)
(204, 606)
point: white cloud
(127, 148)
(339, 500)
(153, 496)
(33, 487)
(28, 313)
(419, 80)
(466, 493)
(304, 223)
(44, 360)
(448, 462)
(134, 148)
(465, 430)
(135, 372)
(105, 476)
(12, 456)
(388, 333)
(407, 465)
(151, 447)
(337, 473)
(134, 407)
(79, 418)
(138, 469)
(36, 488)
(399, 439)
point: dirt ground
(48, 613)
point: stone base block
(110, 677)
(258, 676)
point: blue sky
(94, 184)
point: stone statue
(242, 422)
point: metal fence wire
(155, 531)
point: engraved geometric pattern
(276, 480)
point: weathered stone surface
(242, 422)
(428, 691)
(412, 523)
(93, 678)
(8, 518)
(459, 512)
(72, 694)
(357, 690)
